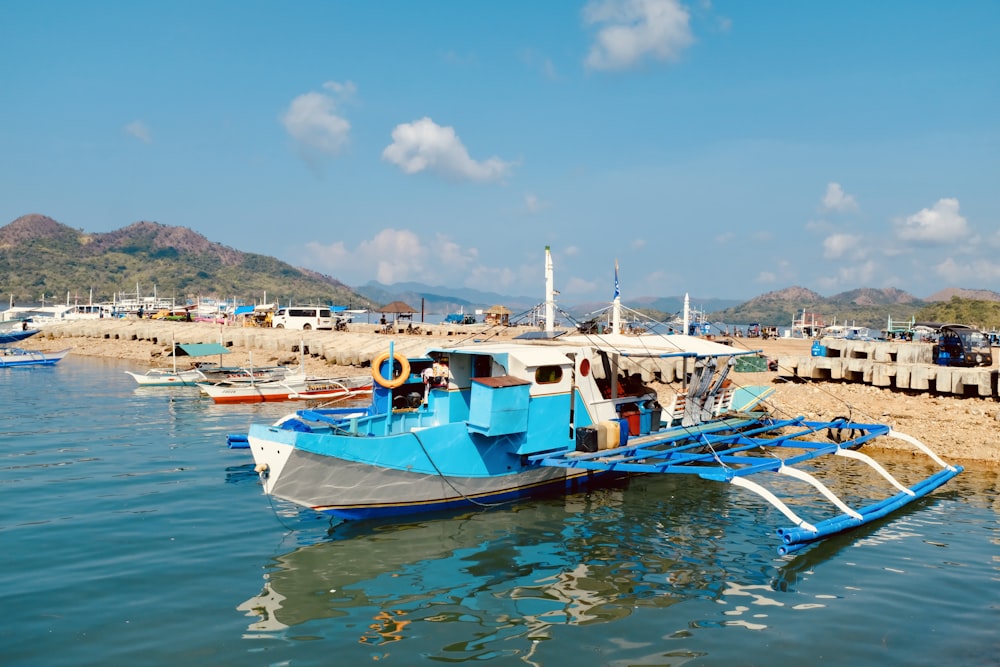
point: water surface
(132, 535)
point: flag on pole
(617, 293)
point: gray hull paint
(322, 482)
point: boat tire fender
(837, 434)
(391, 382)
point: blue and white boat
(16, 356)
(16, 335)
(477, 424)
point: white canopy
(655, 345)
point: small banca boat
(213, 373)
(167, 377)
(16, 356)
(174, 377)
(481, 424)
(16, 335)
(289, 388)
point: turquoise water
(131, 535)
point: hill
(972, 294)
(868, 307)
(40, 256)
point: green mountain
(868, 307)
(864, 307)
(39, 256)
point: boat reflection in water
(660, 570)
(578, 560)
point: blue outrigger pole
(731, 450)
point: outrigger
(478, 424)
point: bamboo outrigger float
(730, 450)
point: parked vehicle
(961, 345)
(303, 317)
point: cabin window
(548, 374)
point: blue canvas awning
(199, 349)
(243, 310)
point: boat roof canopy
(199, 349)
(655, 345)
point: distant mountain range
(39, 256)
(42, 258)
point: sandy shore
(961, 430)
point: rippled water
(131, 534)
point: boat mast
(687, 314)
(616, 311)
(550, 294)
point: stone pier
(357, 347)
(895, 365)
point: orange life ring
(391, 383)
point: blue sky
(723, 149)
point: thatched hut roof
(397, 307)
(498, 310)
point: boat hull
(167, 378)
(246, 392)
(363, 478)
(17, 357)
(8, 337)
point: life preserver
(391, 383)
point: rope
(274, 510)
(772, 407)
(448, 482)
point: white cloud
(819, 226)
(767, 277)
(781, 271)
(394, 255)
(139, 130)
(850, 275)
(631, 30)
(836, 199)
(973, 274)
(941, 223)
(836, 246)
(533, 204)
(423, 145)
(313, 122)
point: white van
(303, 317)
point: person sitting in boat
(437, 374)
(631, 384)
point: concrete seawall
(356, 347)
(895, 365)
